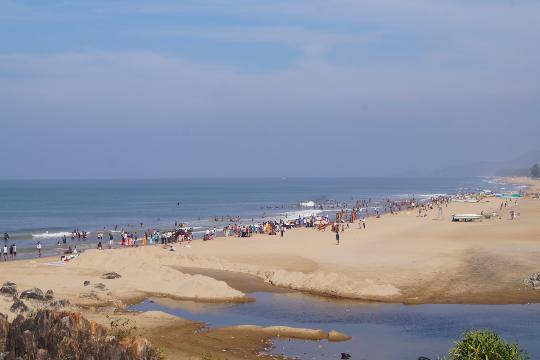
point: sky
(158, 88)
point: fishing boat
(466, 217)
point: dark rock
(111, 275)
(86, 283)
(423, 358)
(534, 281)
(90, 295)
(345, 356)
(4, 327)
(9, 288)
(49, 295)
(35, 294)
(58, 304)
(18, 306)
(100, 286)
(64, 335)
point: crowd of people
(184, 235)
(338, 222)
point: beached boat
(466, 217)
(511, 195)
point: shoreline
(400, 258)
(26, 244)
(268, 275)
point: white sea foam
(52, 235)
(403, 196)
(496, 181)
(200, 231)
(429, 196)
(307, 204)
(291, 215)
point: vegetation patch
(485, 345)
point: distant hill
(519, 166)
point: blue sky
(264, 88)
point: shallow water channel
(379, 331)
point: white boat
(466, 217)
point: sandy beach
(397, 258)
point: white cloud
(484, 51)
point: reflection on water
(380, 331)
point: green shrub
(485, 345)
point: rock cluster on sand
(111, 275)
(64, 335)
(534, 281)
(37, 294)
(33, 294)
(18, 305)
(100, 286)
(8, 289)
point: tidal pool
(379, 331)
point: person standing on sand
(38, 246)
(14, 252)
(5, 252)
(282, 230)
(337, 237)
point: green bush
(485, 345)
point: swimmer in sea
(38, 246)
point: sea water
(45, 210)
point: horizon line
(256, 177)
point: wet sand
(242, 282)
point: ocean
(44, 210)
